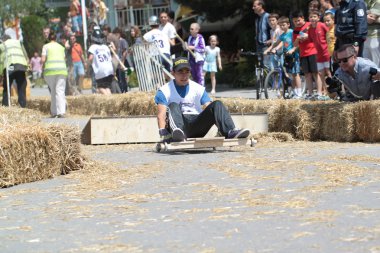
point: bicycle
(278, 79)
(260, 71)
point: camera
(335, 85)
(372, 71)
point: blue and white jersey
(102, 63)
(190, 97)
(160, 39)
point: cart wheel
(253, 142)
(158, 147)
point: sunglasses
(344, 60)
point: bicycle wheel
(261, 91)
(274, 80)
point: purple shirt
(36, 63)
(199, 44)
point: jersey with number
(160, 39)
(169, 30)
(102, 62)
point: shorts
(295, 69)
(78, 69)
(309, 64)
(323, 65)
(36, 75)
(105, 82)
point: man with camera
(359, 76)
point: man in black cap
(180, 112)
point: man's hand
(376, 77)
(164, 135)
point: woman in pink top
(36, 66)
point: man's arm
(161, 102)
(361, 25)
(161, 116)
(81, 55)
(43, 56)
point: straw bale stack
(18, 115)
(36, 152)
(31, 150)
(136, 103)
(332, 120)
(367, 120)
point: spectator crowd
(334, 42)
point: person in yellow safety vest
(13, 56)
(55, 74)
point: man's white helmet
(153, 21)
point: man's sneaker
(309, 97)
(323, 98)
(178, 135)
(296, 97)
(238, 133)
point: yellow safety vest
(12, 53)
(55, 60)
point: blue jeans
(78, 69)
(75, 21)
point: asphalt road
(276, 197)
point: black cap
(180, 63)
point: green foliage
(133, 82)
(371, 3)
(11, 8)
(214, 9)
(32, 27)
(238, 74)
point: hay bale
(41, 104)
(10, 115)
(366, 121)
(326, 121)
(337, 123)
(35, 152)
(305, 120)
(245, 106)
(136, 103)
(273, 137)
(284, 116)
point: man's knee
(217, 104)
(174, 106)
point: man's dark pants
(198, 125)
(20, 78)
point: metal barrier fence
(149, 70)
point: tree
(214, 10)
(32, 30)
(12, 8)
(371, 3)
